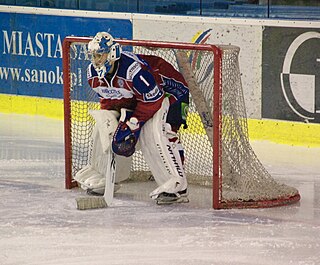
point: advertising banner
(31, 49)
(291, 74)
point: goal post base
(259, 204)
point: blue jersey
(139, 83)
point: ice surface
(39, 223)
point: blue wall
(31, 49)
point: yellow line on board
(283, 132)
(52, 108)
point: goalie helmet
(105, 51)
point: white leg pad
(162, 155)
(106, 122)
(171, 186)
(93, 176)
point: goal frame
(212, 120)
(216, 112)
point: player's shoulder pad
(130, 65)
(91, 72)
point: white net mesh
(244, 180)
(244, 177)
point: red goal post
(218, 152)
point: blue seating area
(297, 12)
(239, 10)
(209, 8)
(275, 11)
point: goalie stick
(95, 202)
(106, 122)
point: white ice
(39, 222)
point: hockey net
(217, 148)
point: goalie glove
(127, 134)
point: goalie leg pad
(106, 123)
(162, 155)
(88, 178)
(93, 176)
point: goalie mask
(105, 51)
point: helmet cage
(104, 50)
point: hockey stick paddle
(95, 202)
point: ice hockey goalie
(148, 100)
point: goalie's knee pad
(161, 154)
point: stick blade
(94, 202)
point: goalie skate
(170, 198)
